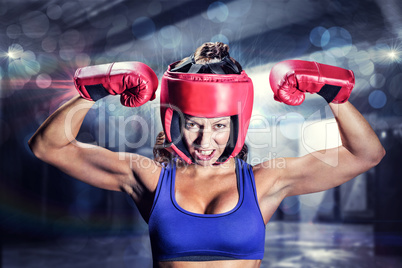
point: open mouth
(204, 155)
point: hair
(161, 155)
(212, 52)
(206, 53)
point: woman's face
(206, 138)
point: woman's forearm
(356, 134)
(60, 128)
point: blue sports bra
(180, 235)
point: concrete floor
(296, 245)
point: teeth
(206, 152)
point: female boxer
(205, 206)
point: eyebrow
(221, 120)
(188, 118)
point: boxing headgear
(208, 95)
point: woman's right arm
(55, 143)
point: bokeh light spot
(143, 28)
(13, 31)
(367, 68)
(43, 80)
(54, 12)
(377, 99)
(377, 80)
(34, 24)
(69, 38)
(82, 60)
(316, 36)
(169, 37)
(337, 37)
(239, 8)
(15, 51)
(154, 8)
(217, 12)
(220, 38)
(49, 44)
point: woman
(204, 205)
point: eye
(220, 126)
(192, 126)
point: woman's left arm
(325, 169)
(322, 170)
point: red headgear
(206, 95)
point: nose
(204, 139)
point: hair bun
(214, 50)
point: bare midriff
(210, 264)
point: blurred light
(383, 134)
(15, 51)
(13, 31)
(386, 54)
(393, 55)
(312, 200)
(239, 8)
(328, 58)
(217, 12)
(43, 80)
(361, 63)
(54, 12)
(337, 41)
(324, 256)
(316, 36)
(377, 80)
(290, 125)
(169, 37)
(49, 44)
(143, 28)
(316, 56)
(367, 68)
(11, 55)
(34, 24)
(69, 37)
(154, 8)
(320, 134)
(22, 65)
(220, 38)
(67, 53)
(82, 60)
(377, 99)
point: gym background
(48, 219)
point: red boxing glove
(135, 81)
(290, 79)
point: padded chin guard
(210, 96)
